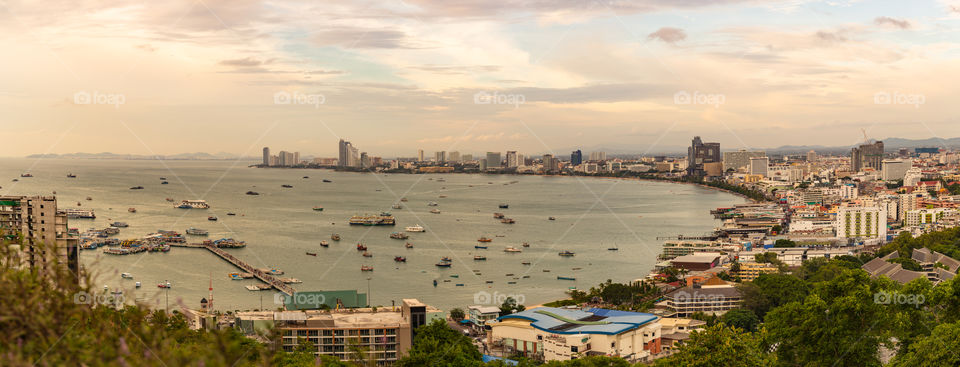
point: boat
(138, 285)
(235, 276)
(397, 206)
(432, 203)
(443, 196)
(212, 218)
(512, 249)
(565, 278)
(318, 208)
(80, 213)
(164, 183)
(132, 210)
(480, 247)
(435, 211)
(613, 249)
(335, 237)
(408, 245)
(383, 219)
(399, 236)
(403, 200)
(484, 239)
(197, 231)
(444, 264)
(126, 276)
(326, 180)
(170, 199)
(415, 228)
(162, 178)
(366, 268)
(312, 253)
(306, 176)
(479, 258)
(445, 259)
(252, 193)
(163, 285)
(504, 206)
(526, 244)
(137, 188)
(525, 263)
(78, 203)
(193, 204)
(286, 186)
(552, 218)
(70, 175)
(498, 215)
(361, 247)
(231, 214)
(89, 198)
(119, 225)
(400, 259)
(324, 244)
(367, 254)
(566, 253)
(25, 175)
(507, 221)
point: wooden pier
(261, 275)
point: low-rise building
(715, 300)
(750, 270)
(480, 315)
(696, 262)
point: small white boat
(415, 228)
(138, 285)
(435, 211)
(126, 276)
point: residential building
(750, 270)
(868, 155)
(419, 155)
(560, 334)
(697, 261)
(576, 157)
(926, 216)
(598, 156)
(349, 155)
(266, 156)
(46, 236)
(895, 169)
(759, 166)
(861, 222)
(740, 159)
(512, 159)
(493, 161)
(713, 300)
(440, 157)
(480, 315)
(677, 330)
(453, 156)
(700, 153)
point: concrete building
(712, 300)
(895, 169)
(494, 161)
(750, 270)
(861, 222)
(480, 315)
(512, 159)
(598, 156)
(759, 166)
(560, 334)
(46, 236)
(453, 156)
(440, 157)
(419, 155)
(926, 216)
(349, 155)
(696, 262)
(867, 156)
(386, 334)
(576, 157)
(740, 159)
(849, 191)
(700, 153)
(266, 156)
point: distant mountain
(890, 144)
(181, 156)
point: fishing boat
(415, 228)
(432, 203)
(566, 253)
(137, 188)
(132, 210)
(525, 263)
(286, 186)
(324, 244)
(326, 180)
(480, 247)
(164, 285)
(119, 225)
(361, 247)
(552, 218)
(366, 268)
(512, 249)
(312, 253)
(193, 204)
(400, 259)
(565, 278)
(25, 175)
(507, 221)
(367, 254)
(212, 218)
(444, 264)
(484, 239)
(70, 175)
(498, 215)
(126, 276)
(397, 206)
(252, 193)
(318, 208)
(231, 214)
(335, 237)
(445, 259)
(504, 206)
(399, 236)
(435, 211)
(408, 245)
(479, 258)
(526, 244)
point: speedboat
(126, 276)
(566, 253)
(400, 259)
(479, 258)
(415, 228)
(435, 211)
(164, 285)
(212, 218)
(366, 268)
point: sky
(540, 76)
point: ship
(193, 204)
(566, 253)
(480, 247)
(484, 239)
(366, 268)
(197, 231)
(164, 183)
(525, 263)
(445, 259)
(399, 236)
(231, 214)
(415, 228)
(80, 213)
(335, 237)
(252, 193)
(403, 200)
(384, 219)
(526, 244)
(565, 278)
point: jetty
(242, 265)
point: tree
(769, 291)
(719, 345)
(591, 361)
(937, 349)
(457, 314)
(436, 344)
(783, 242)
(741, 318)
(510, 306)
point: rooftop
(592, 321)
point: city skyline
(234, 76)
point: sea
(591, 217)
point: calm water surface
(280, 226)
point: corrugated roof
(592, 321)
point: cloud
(354, 37)
(892, 22)
(668, 34)
(457, 70)
(830, 37)
(244, 62)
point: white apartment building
(926, 216)
(861, 222)
(895, 169)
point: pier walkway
(261, 275)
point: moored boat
(480, 247)
(335, 237)
(399, 236)
(193, 204)
(484, 239)
(366, 268)
(479, 258)
(119, 225)
(566, 253)
(324, 244)
(565, 278)
(400, 259)
(415, 228)
(312, 253)
(444, 264)
(498, 215)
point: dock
(242, 265)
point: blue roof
(488, 359)
(592, 321)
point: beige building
(751, 270)
(36, 218)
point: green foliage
(457, 314)
(937, 349)
(769, 291)
(510, 306)
(436, 344)
(719, 345)
(783, 243)
(741, 318)
(592, 361)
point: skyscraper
(342, 159)
(867, 156)
(759, 166)
(700, 153)
(419, 155)
(576, 158)
(441, 156)
(494, 161)
(739, 159)
(266, 156)
(512, 159)
(349, 155)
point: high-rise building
(467, 157)
(453, 156)
(598, 156)
(812, 156)
(512, 159)
(550, 163)
(867, 156)
(895, 169)
(441, 156)
(296, 159)
(266, 156)
(700, 153)
(349, 155)
(364, 160)
(759, 166)
(494, 161)
(576, 157)
(344, 151)
(419, 155)
(739, 159)
(38, 221)
(861, 222)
